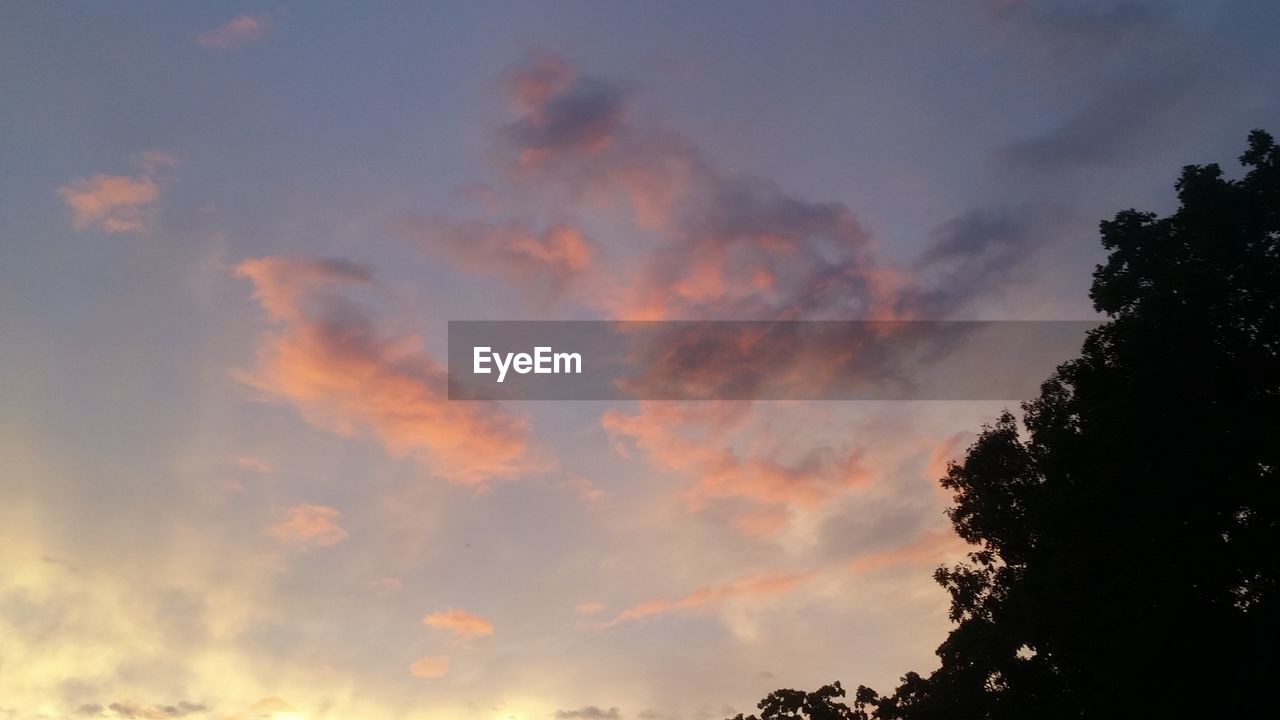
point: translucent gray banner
(749, 360)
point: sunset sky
(231, 235)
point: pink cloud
(726, 459)
(309, 525)
(429, 667)
(584, 489)
(386, 585)
(542, 263)
(252, 463)
(943, 454)
(238, 31)
(459, 622)
(933, 547)
(750, 586)
(589, 609)
(326, 358)
(118, 203)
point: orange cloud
(268, 705)
(561, 112)
(754, 585)
(763, 522)
(239, 30)
(697, 440)
(429, 667)
(459, 622)
(590, 608)
(386, 585)
(252, 463)
(541, 263)
(722, 246)
(934, 547)
(327, 358)
(584, 488)
(118, 203)
(309, 526)
(943, 454)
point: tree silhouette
(1127, 533)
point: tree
(1127, 533)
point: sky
(232, 234)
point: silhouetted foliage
(1127, 534)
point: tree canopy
(1126, 530)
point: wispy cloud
(728, 458)
(589, 712)
(119, 203)
(541, 262)
(727, 245)
(589, 609)
(309, 525)
(753, 585)
(585, 489)
(931, 547)
(327, 358)
(239, 30)
(429, 667)
(459, 622)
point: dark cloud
(589, 712)
(729, 246)
(1110, 129)
(976, 253)
(153, 712)
(877, 524)
(563, 111)
(732, 246)
(1063, 33)
(542, 262)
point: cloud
(326, 358)
(1151, 75)
(729, 459)
(974, 252)
(269, 705)
(429, 667)
(309, 526)
(723, 246)
(138, 711)
(932, 547)
(1111, 128)
(386, 585)
(118, 204)
(749, 586)
(1061, 34)
(588, 712)
(560, 110)
(459, 622)
(239, 30)
(588, 609)
(281, 285)
(252, 463)
(728, 246)
(584, 489)
(542, 263)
